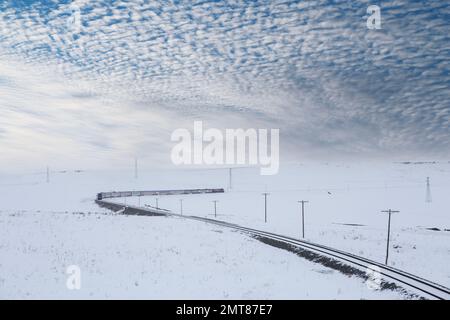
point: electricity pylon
(428, 198)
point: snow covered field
(152, 257)
(343, 212)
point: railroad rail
(426, 288)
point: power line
(389, 212)
(265, 194)
(428, 198)
(303, 216)
(215, 208)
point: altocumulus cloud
(114, 78)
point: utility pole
(157, 207)
(303, 216)
(48, 175)
(428, 198)
(230, 178)
(135, 168)
(181, 206)
(215, 208)
(139, 200)
(265, 194)
(389, 212)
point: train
(121, 194)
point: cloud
(311, 68)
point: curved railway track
(423, 287)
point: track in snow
(427, 289)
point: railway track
(423, 287)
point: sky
(97, 83)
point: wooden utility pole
(215, 208)
(265, 194)
(181, 206)
(428, 199)
(157, 207)
(303, 217)
(389, 212)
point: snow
(124, 257)
(344, 211)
